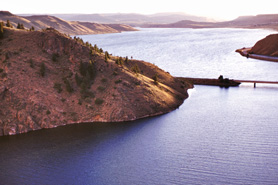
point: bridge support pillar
(254, 85)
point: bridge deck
(256, 81)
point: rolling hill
(67, 27)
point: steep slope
(68, 27)
(48, 79)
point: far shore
(246, 53)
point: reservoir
(217, 136)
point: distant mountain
(68, 27)
(132, 18)
(269, 21)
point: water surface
(218, 136)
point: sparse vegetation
(31, 63)
(155, 79)
(99, 101)
(1, 70)
(115, 73)
(20, 26)
(1, 30)
(8, 24)
(107, 56)
(68, 85)
(104, 80)
(101, 88)
(58, 87)
(135, 69)
(55, 57)
(78, 79)
(42, 69)
(48, 112)
(120, 61)
(118, 81)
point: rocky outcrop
(48, 79)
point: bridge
(256, 82)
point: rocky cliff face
(48, 79)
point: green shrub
(42, 69)
(104, 80)
(20, 26)
(1, 30)
(68, 86)
(155, 79)
(78, 79)
(1, 70)
(58, 87)
(135, 69)
(31, 63)
(99, 101)
(55, 57)
(118, 81)
(120, 61)
(9, 24)
(101, 88)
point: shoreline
(245, 53)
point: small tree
(82, 68)
(32, 28)
(42, 69)
(9, 24)
(120, 61)
(155, 79)
(106, 56)
(68, 86)
(1, 30)
(78, 79)
(20, 26)
(126, 59)
(135, 69)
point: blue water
(218, 136)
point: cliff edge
(48, 79)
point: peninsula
(265, 49)
(48, 79)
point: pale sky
(217, 9)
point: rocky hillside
(48, 79)
(69, 27)
(267, 46)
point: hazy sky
(217, 9)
